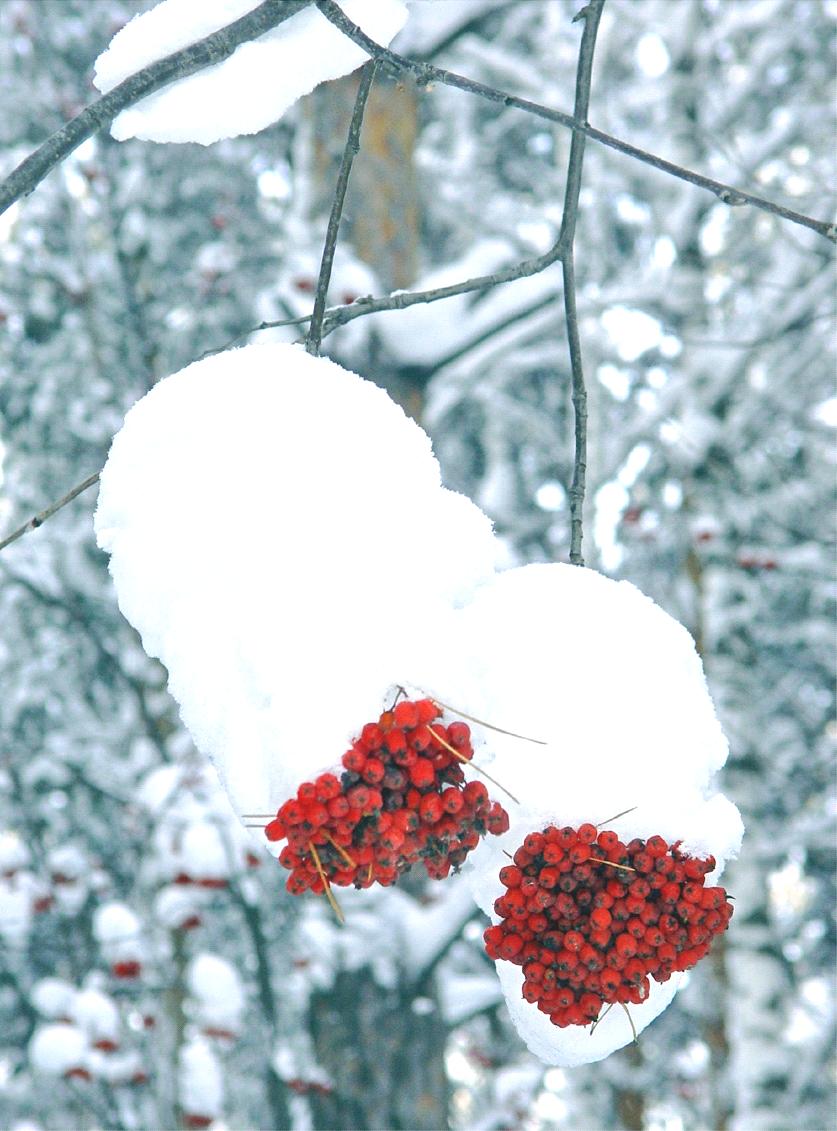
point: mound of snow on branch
(253, 87)
(615, 689)
(280, 538)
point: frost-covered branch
(427, 73)
(205, 52)
(591, 15)
(315, 330)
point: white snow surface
(615, 687)
(201, 1085)
(55, 1049)
(280, 538)
(216, 987)
(53, 997)
(115, 922)
(253, 87)
(95, 1014)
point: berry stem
(462, 758)
(483, 723)
(631, 1021)
(616, 818)
(329, 894)
(600, 1018)
(342, 851)
(610, 864)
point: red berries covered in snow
(402, 798)
(590, 919)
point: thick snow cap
(614, 687)
(253, 87)
(280, 538)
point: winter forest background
(706, 332)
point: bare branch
(40, 518)
(205, 52)
(427, 73)
(591, 15)
(315, 330)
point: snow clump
(280, 537)
(253, 87)
(614, 691)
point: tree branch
(427, 73)
(591, 15)
(40, 518)
(205, 52)
(315, 330)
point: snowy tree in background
(153, 971)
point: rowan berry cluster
(590, 918)
(402, 798)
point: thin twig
(591, 15)
(350, 151)
(426, 73)
(205, 52)
(40, 518)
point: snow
(53, 997)
(176, 904)
(55, 1049)
(13, 852)
(95, 1014)
(117, 929)
(614, 687)
(15, 912)
(253, 87)
(217, 990)
(200, 1080)
(284, 615)
(280, 537)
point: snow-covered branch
(205, 52)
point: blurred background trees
(134, 912)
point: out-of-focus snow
(56, 1049)
(95, 1014)
(430, 25)
(280, 537)
(216, 988)
(13, 853)
(615, 688)
(200, 1080)
(115, 922)
(53, 997)
(253, 87)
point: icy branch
(203, 53)
(427, 73)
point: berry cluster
(590, 918)
(402, 798)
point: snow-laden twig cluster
(280, 537)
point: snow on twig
(203, 53)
